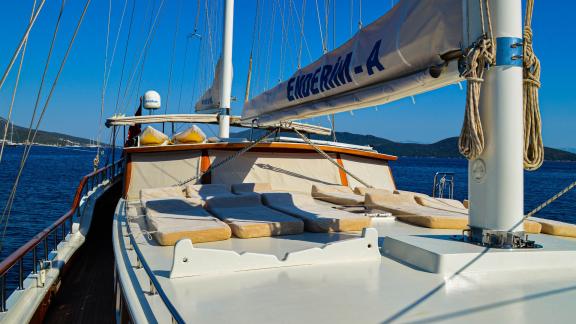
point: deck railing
(155, 288)
(49, 238)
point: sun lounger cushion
(407, 210)
(365, 190)
(160, 193)
(251, 187)
(339, 195)
(248, 218)
(201, 193)
(316, 217)
(174, 219)
(553, 227)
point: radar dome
(152, 100)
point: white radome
(152, 100)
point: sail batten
(385, 61)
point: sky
(77, 101)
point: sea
(52, 174)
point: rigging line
(103, 94)
(210, 40)
(324, 49)
(116, 42)
(44, 73)
(326, 21)
(268, 55)
(359, 14)
(183, 73)
(15, 89)
(249, 77)
(172, 58)
(351, 17)
(125, 55)
(197, 17)
(301, 33)
(144, 49)
(301, 22)
(19, 48)
(8, 208)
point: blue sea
(52, 174)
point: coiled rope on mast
(533, 144)
(481, 56)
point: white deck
(367, 292)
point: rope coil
(480, 57)
(533, 144)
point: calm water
(52, 175)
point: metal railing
(443, 184)
(49, 238)
(155, 288)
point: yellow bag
(191, 135)
(151, 136)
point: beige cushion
(339, 195)
(553, 227)
(159, 193)
(248, 218)
(204, 192)
(251, 187)
(406, 209)
(365, 190)
(176, 218)
(316, 217)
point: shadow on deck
(86, 292)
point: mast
(495, 178)
(226, 79)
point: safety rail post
(21, 274)
(34, 259)
(3, 293)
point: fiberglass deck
(369, 292)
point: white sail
(210, 100)
(401, 54)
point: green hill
(42, 137)
(446, 148)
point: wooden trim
(343, 175)
(263, 147)
(127, 175)
(204, 166)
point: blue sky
(75, 106)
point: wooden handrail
(15, 256)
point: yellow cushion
(151, 136)
(553, 227)
(191, 135)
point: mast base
(498, 239)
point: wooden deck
(86, 292)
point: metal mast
(226, 79)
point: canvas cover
(210, 100)
(387, 60)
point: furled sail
(403, 53)
(210, 100)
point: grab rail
(155, 287)
(87, 184)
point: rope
(249, 76)
(8, 208)
(324, 49)
(15, 90)
(172, 58)
(533, 145)
(329, 158)
(481, 55)
(551, 200)
(22, 41)
(96, 161)
(125, 56)
(230, 158)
